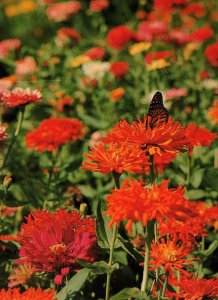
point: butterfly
(157, 113)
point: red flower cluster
(53, 242)
(199, 136)
(170, 137)
(19, 96)
(119, 68)
(30, 294)
(53, 133)
(118, 37)
(202, 34)
(63, 10)
(115, 158)
(211, 53)
(136, 203)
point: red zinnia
(95, 53)
(19, 96)
(98, 5)
(118, 37)
(71, 33)
(53, 133)
(115, 158)
(170, 255)
(30, 294)
(195, 9)
(165, 54)
(202, 34)
(9, 45)
(198, 288)
(199, 136)
(211, 53)
(53, 242)
(170, 137)
(136, 203)
(119, 68)
(149, 30)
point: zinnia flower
(66, 33)
(63, 10)
(118, 37)
(98, 5)
(53, 133)
(95, 53)
(149, 30)
(199, 288)
(9, 45)
(196, 9)
(199, 136)
(21, 275)
(30, 294)
(19, 96)
(119, 68)
(95, 69)
(170, 255)
(136, 203)
(117, 94)
(170, 137)
(202, 34)
(211, 53)
(115, 158)
(165, 54)
(53, 242)
(25, 66)
(175, 93)
(213, 113)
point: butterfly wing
(157, 112)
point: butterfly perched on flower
(157, 113)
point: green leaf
(104, 232)
(196, 178)
(99, 267)
(210, 178)
(128, 293)
(74, 284)
(196, 194)
(213, 246)
(130, 249)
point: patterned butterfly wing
(157, 112)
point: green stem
(188, 170)
(146, 266)
(16, 133)
(116, 177)
(164, 286)
(151, 167)
(200, 265)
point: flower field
(108, 149)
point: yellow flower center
(57, 247)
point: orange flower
(213, 113)
(115, 158)
(117, 94)
(136, 203)
(170, 255)
(198, 288)
(30, 294)
(21, 275)
(169, 137)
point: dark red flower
(118, 37)
(52, 242)
(211, 53)
(119, 68)
(54, 132)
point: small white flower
(95, 69)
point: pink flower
(98, 5)
(68, 33)
(175, 93)
(9, 45)
(25, 66)
(148, 30)
(62, 11)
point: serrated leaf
(74, 284)
(130, 249)
(128, 293)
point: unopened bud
(83, 208)
(7, 181)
